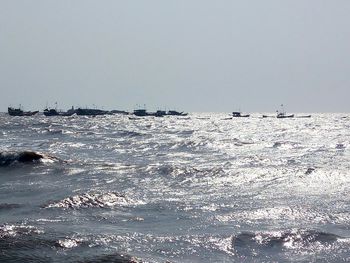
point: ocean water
(175, 189)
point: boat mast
(283, 112)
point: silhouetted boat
(239, 114)
(176, 113)
(50, 112)
(283, 115)
(69, 112)
(19, 112)
(304, 116)
(144, 113)
(160, 113)
(267, 116)
(141, 113)
(90, 112)
(54, 112)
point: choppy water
(190, 189)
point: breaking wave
(7, 230)
(184, 171)
(24, 243)
(12, 157)
(92, 200)
(68, 243)
(293, 239)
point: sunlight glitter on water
(202, 189)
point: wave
(12, 157)
(113, 258)
(174, 171)
(127, 133)
(68, 242)
(188, 145)
(285, 144)
(88, 200)
(238, 142)
(293, 239)
(53, 131)
(7, 230)
(25, 243)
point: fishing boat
(90, 112)
(239, 114)
(50, 112)
(176, 113)
(69, 112)
(19, 112)
(54, 112)
(141, 113)
(144, 113)
(160, 113)
(282, 114)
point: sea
(197, 188)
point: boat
(267, 116)
(304, 116)
(239, 114)
(141, 113)
(54, 112)
(69, 112)
(50, 112)
(176, 113)
(144, 113)
(15, 112)
(19, 112)
(283, 115)
(90, 112)
(160, 113)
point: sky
(191, 55)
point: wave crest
(7, 230)
(92, 200)
(11, 157)
(293, 239)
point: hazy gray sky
(190, 55)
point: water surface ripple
(195, 189)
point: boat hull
(285, 116)
(19, 112)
